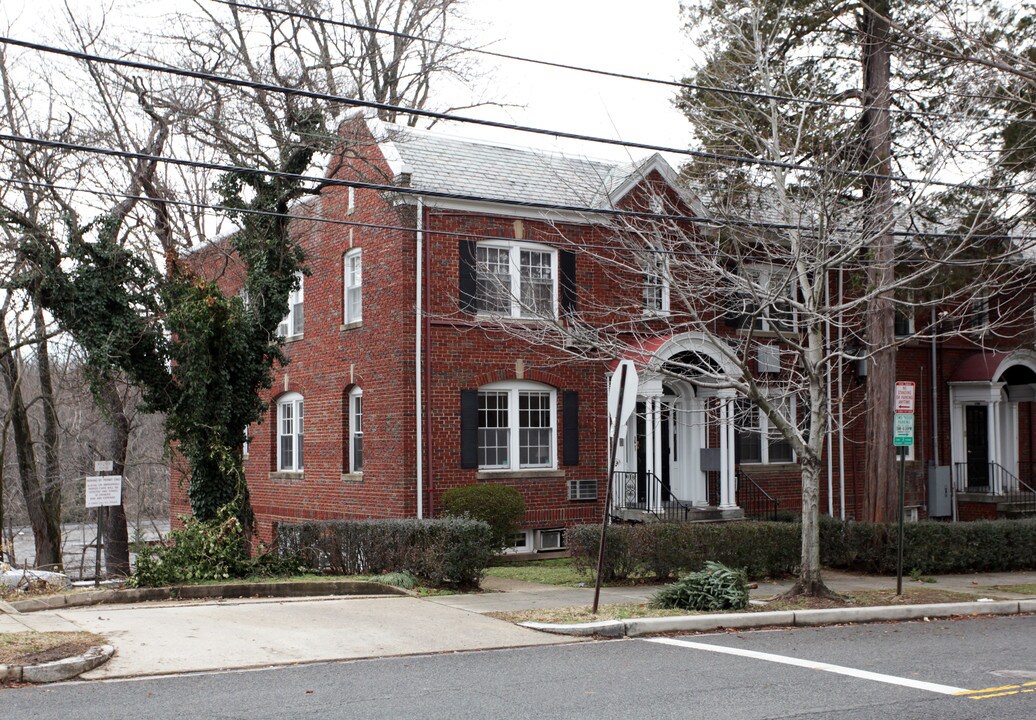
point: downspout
(427, 364)
(830, 454)
(935, 395)
(418, 364)
(841, 399)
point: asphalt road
(617, 679)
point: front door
(976, 443)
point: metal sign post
(903, 437)
(101, 492)
(623, 384)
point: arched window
(289, 433)
(356, 430)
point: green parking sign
(903, 430)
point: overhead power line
(677, 84)
(327, 97)
(403, 190)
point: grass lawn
(1023, 588)
(30, 648)
(556, 571)
(581, 613)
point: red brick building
(439, 341)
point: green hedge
(448, 551)
(772, 549)
(501, 506)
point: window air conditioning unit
(550, 539)
(582, 489)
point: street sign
(629, 394)
(904, 397)
(903, 430)
(103, 490)
(104, 465)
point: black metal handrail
(996, 482)
(646, 491)
(753, 500)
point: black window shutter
(570, 427)
(567, 281)
(469, 428)
(466, 253)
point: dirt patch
(32, 648)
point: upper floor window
(289, 433)
(292, 324)
(514, 279)
(757, 440)
(767, 294)
(516, 426)
(356, 430)
(656, 283)
(353, 283)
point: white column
(656, 453)
(649, 451)
(726, 460)
(996, 479)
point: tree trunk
(879, 474)
(46, 535)
(116, 534)
(52, 480)
(810, 582)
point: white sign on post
(904, 397)
(629, 402)
(103, 490)
(104, 465)
(903, 430)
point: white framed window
(520, 542)
(774, 288)
(516, 279)
(289, 433)
(758, 442)
(656, 283)
(516, 426)
(356, 430)
(353, 284)
(292, 324)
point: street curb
(201, 592)
(58, 670)
(784, 618)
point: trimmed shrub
(664, 550)
(716, 587)
(773, 549)
(500, 506)
(619, 560)
(450, 551)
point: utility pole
(880, 476)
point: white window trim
(296, 298)
(515, 248)
(355, 428)
(657, 270)
(349, 316)
(760, 281)
(297, 433)
(513, 388)
(764, 435)
(526, 547)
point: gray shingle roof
(443, 163)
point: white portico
(682, 434)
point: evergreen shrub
(715, 587)
(500, 506)
(449, 551)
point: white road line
(813, 665)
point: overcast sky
(643, 38)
